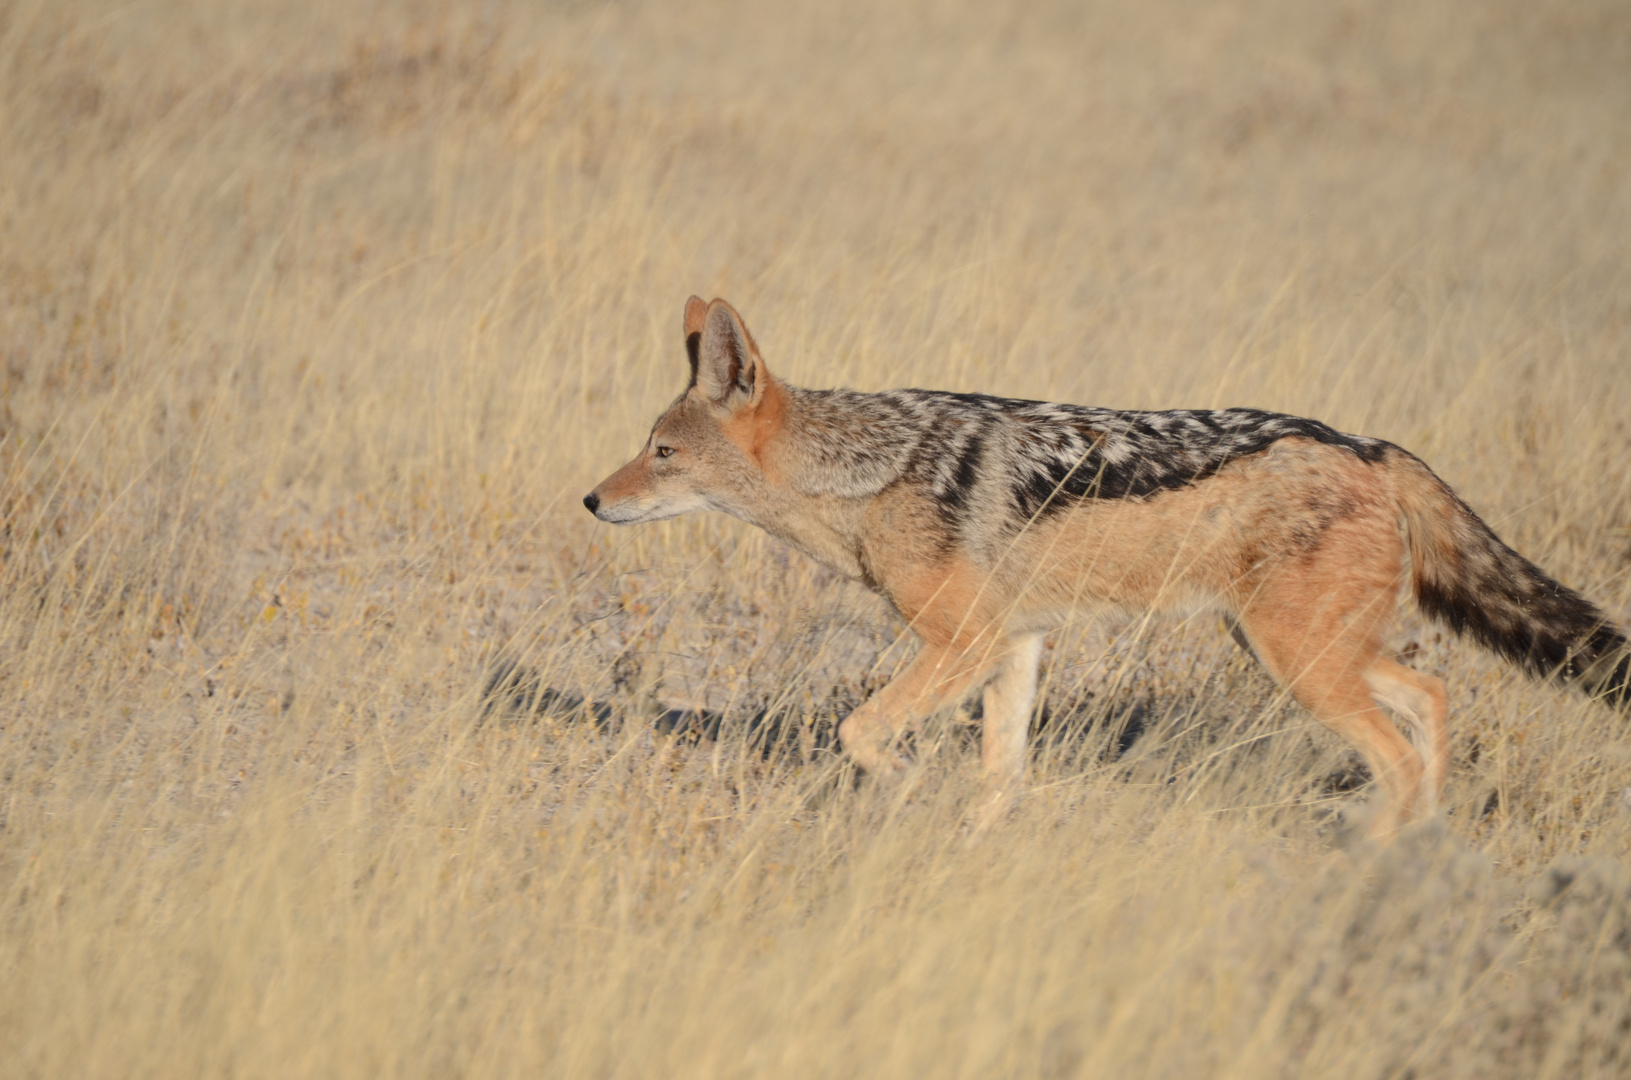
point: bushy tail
(1466, 579)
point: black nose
(592, 501)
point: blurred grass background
(317, 320)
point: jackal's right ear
(727, 365)
(696, 314)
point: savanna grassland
(317, 320)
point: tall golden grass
(318, 319)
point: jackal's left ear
(696, 314)
(728, 367)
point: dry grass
(316, 321)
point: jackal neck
(843, 442)
(827, 454)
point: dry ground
(317, 320)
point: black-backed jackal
(985, 520)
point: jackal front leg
(937, 675)
(1009, 699)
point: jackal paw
(872, 749)
(882, 762)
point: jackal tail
(1468, 580)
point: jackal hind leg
(1422, 701)
(938, 675)
(1339, 698)
(1316, 624)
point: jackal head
(707, 451)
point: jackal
(985, 520)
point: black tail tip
(1615, 689)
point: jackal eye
(665, 451)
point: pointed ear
(696, 313)
(729, 370)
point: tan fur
(1303, 542)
